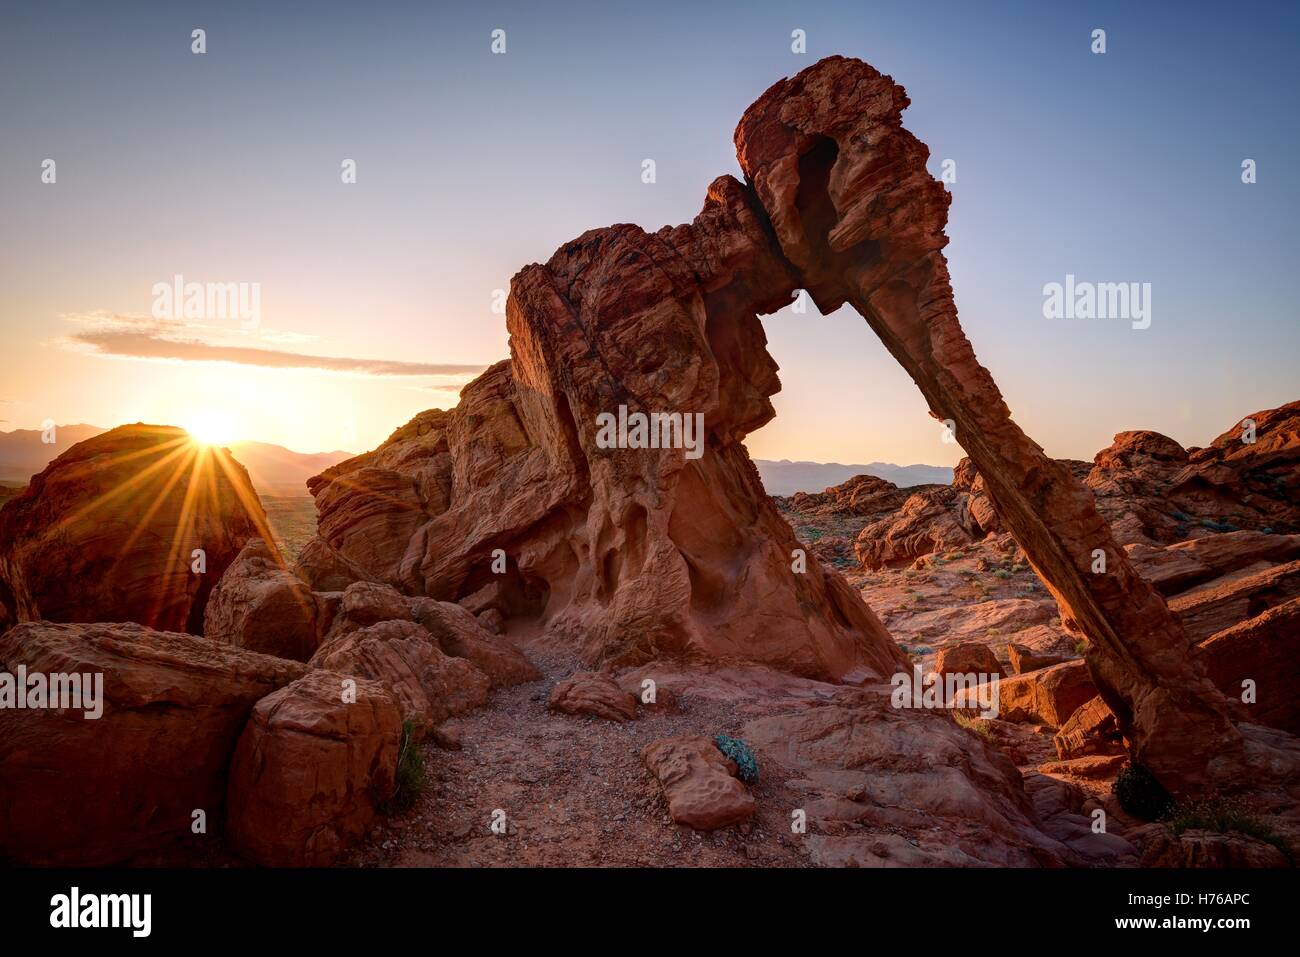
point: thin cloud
(138, 337)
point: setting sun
(211, 427)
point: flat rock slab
(699, 782)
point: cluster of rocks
(1150, 490)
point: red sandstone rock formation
(107, 532)
(595, 694)
(260, 605)
(311, 770)
(430, 686)
(1265, 650)
(862, 221)
(699, 782)
(629, 553)
(92, 792)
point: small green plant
(1140, 794)
(410, 773)
(1081, 648)
(738, 751)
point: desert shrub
(1001, 573)
(1081, 648)
(1140, 794)
(410, 773)
(1222, 815)
(738, 751)
(972, 724)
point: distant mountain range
(786, 477)
(274, 469)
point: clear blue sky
(225, 167)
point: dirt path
(574, 792)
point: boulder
(429, 685)
(1049, 696)
(1265, 650)
(595, 694)
(262, 606)
(1088, 766)
(1090, 730)
(459, 633)
(699, 783)
(311, 770)
(928, 521)
(369, 603)
(1023, 660)
(94, 792)
(1226, 601)
(968, 657)
(115, 527)
(1208, 849)
(1178, 567)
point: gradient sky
(225, 167)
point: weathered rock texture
(107, 532)
(260, 605)
(594, 694)
(636, 554)
(699, 782)
(862, 222)
(311, 770)
(629, 553)
(91, 792)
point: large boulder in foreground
(80, 791)
(109, 531)
(262, 606)
(311, 770)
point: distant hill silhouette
(274, 469)
(23, 454)
(786, 477)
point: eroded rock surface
(311, 770)
(109, 531)
(862, 221)
(93, 792)
(593, 693)
(699, 782)
(260, 605)
(628, 553)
